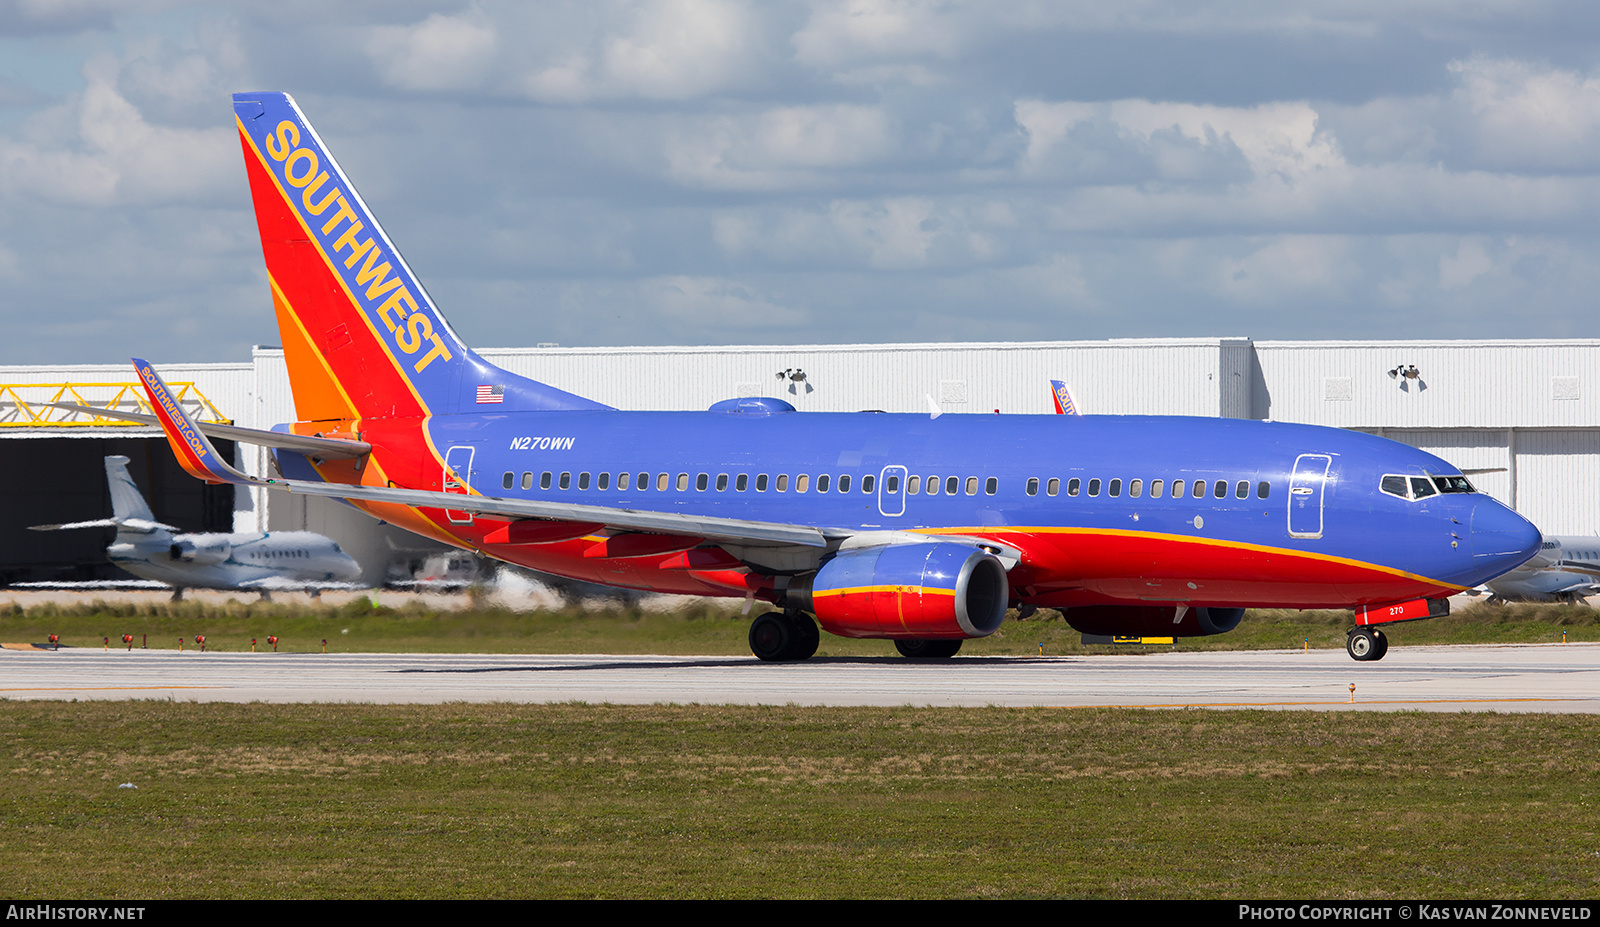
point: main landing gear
(1366, 643)
(784, 636)
(927, 649)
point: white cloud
(1527, 116)
(791, 147)
(711, 303)
(674, 50)
(1287, 268)
(1179, 141)
(839, 32)
(440, 53)
(116, 156)
(1469, 263)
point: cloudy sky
(705, 172)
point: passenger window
(913, 484)
(1155, 489)
(801, 482)
(783, 482)
(1136, 488)
(527, 479)
(544, 480)
(1072, 486)
(742, 483)
(952, 485)
(844, 483)
(1178, 487)
(1263, 489)
(566, 479)
(1199, 490)
(1241, 490)
(622, 481)
(702, 483)
(1053, 487)
(933, 485)
(583, 480)
(761, 482)
(1220, 490)
(867, 482)
(605, 482)
(822, 483)
(722, 482)
(683, 482)
(1115, 489)
(991, 486)
(509, 480)
(891, 484)
(1094, 487)
(1033, 485)
(663, 480)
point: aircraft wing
(315, 446)
(197, 456)
(132, 524)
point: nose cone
(1501, 539)
(346, 571)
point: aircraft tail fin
(1065, 404)
(130, 513)
(361, 337)
(126, 500)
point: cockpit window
(1421, 487)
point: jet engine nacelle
(200, 550)
(909, 591)
(1153, 620)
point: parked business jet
(256, 562)
(917, 528)
(1566, 569)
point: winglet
(194, 451)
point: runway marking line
(100, 688)
(1409, 701)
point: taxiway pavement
(1538, 678)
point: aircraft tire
(1362, 644)
(1383, 643)
(772, 637)
(807, 636)
(927, 649)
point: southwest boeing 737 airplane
(256, 561)
(916, 528)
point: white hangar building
(1524, 414)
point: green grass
(352, 801)
(708, 627)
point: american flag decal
(488, 394)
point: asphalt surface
(1536, 678)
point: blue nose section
(1501, 539)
